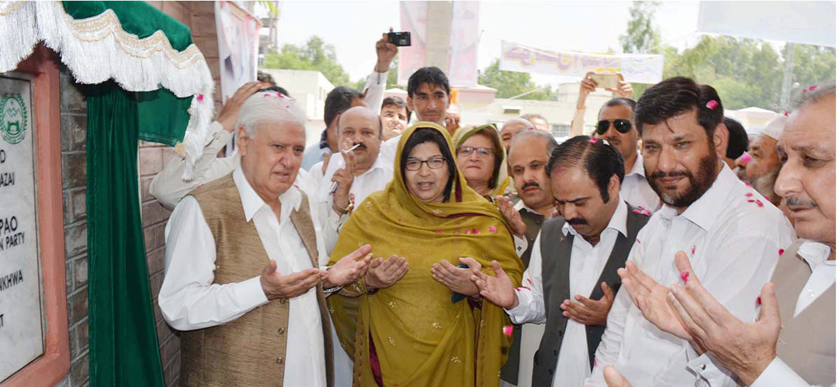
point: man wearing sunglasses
(616, 125)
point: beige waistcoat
(249, 351)
(806, 342)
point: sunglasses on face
(622, 126)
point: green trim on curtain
(123, 337)
(163, 117)
(136, 17)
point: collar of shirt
(252, 202)
(709, 207)
(618, 222)
(638, 168)
(815, 254)
(522, 206)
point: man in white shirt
(616, 125)
(732, 237)
(570, 281)
(762, 167)
(243, 254)
(797, 348)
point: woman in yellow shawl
(481, 157)
(429, 327)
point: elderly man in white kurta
(243, 254)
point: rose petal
(684, 276)
(812, 88)
(712, 104)
(492, 228)
(637, 240)
(758, 300)
(200, 97)
(593, 140)
(749, 194)
(530, 281)
(474, 231)
(438, 231)
(508, 330)
(759, 203)
(693, 250)
(751, 201)
(781, 251)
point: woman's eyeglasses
(414, 164)
(621, 125)
(482, 152)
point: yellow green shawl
(421, 337)
(501, 177)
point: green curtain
(123, 339)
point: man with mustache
(530, 151)
(616, 125)
(571, 278)
(791, 344)
(731, 235)
(762, 167)
(357, 173)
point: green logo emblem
(12, 118)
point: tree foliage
(510, 83)
(315, 54)
(745, 72)
(641, 36)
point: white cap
(774, 128)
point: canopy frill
(138, 47)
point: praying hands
(689, 311)
(456, 278)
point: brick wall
(74, 186)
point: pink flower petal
(474, 231)
(751, 201)
(637, 212)
(812, 88)
(758, 300)
(200, 97)
(759, 203)
(684, 276)
(637, 240)
(712, 104)
(748, 184)
(786, 113)
(749, 194)
(693, 250)
(438, 231)
(530, 281)
(781, 251)
(593, 140)
(492, 228)
(746, 159)
(508, 330)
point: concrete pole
(784, 99)
(437, 48)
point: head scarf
(501, 173)
(421, 336)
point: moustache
(661, 175)
(797, 202)
(360, 145)
(530, 184)
(577, 222)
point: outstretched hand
(384, 273)
(651, 299)
(587, 311)
(349, 268)
(498, 289)
(456, 278)
(743, 348)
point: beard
(699, 182)
(764, 184)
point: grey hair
(519, 121)
(268, 106)
(550, 141)
(810, 97)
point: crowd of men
(666, 249)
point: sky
(352, 27)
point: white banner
(807, 22)
(238, 46)
(635, 68)
(464, 40)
